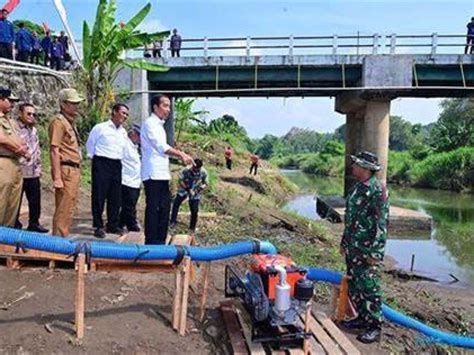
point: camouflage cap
(367, 160)
(70, 95)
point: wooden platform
(326, 338)
(183, 271)
(401, 219)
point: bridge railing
(323, 45)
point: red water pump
(275, 292)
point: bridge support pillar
(367, 128)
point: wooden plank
(323, 338)
(205, 285)
(79, 299)
(244, 320)
(314, 346)
(336, 334)
(234, 331)
(306, 345)
(10, 249)
(201, 214)
(184, 301)
(181, 239)
(177, 300)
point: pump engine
(275, 292)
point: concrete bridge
(363, 73)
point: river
(448, 249)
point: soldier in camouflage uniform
(363, 245)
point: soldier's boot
(356, 323)
(371, 335)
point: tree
(103, 54)
(185, 116)
(455, 126)
(401, 134)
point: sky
(231, 18)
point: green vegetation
(439, 155)
(103, 56)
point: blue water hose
(335, 277)
(106, 250)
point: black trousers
(469, 44)
(35, 56)
(175, 52)
(193, 207)
(156, 53)
(157, 211)
(23, 56)
(56, 63)
(32, 190)
(128, 212)
(228, 164)
(254, 166)
(6, 50)
(106, 186)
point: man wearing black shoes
(105, 146)
(131, 181)
(363, 246)
(31, 168)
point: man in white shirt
(131, 180)
(105, 146)
(156, 172)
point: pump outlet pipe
(396, 317)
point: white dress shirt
(106, 140)
(155, 163)
(131, 165)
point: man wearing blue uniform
(46, 46)
(24, 43)
(7, 36)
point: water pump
(275, 293)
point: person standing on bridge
(156, 171)
(175, 43)
(363, 246)
(470, 37)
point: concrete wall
(39, 89)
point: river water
(448, 249)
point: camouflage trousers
(365, 292)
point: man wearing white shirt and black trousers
(131, 180)
(155, 170)
(105, 145)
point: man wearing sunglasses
(31, 168)
(12, 148)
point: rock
(212, 331)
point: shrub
(452, 170)
(399, 165)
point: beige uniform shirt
(63, 134)
(8, 129)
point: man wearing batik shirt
(363, 246)
(192, 181)
(31, 169)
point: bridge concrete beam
(367, 129)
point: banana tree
(185, 116)
(103, 53)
